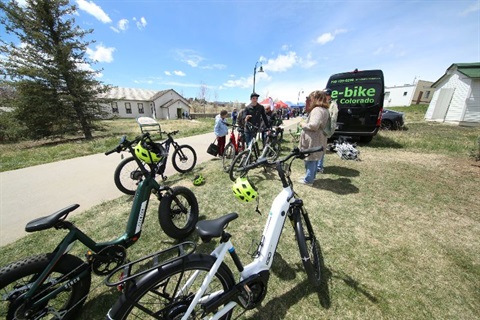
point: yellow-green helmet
(198, 180)
(145, 153)
(244, 189)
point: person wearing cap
(333, 106)
(254, 113)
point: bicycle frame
(235, 140)
(132, 234)
(161, 165)
(265, 251)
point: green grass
(398, 229)
(30, 153)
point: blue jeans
(320, 163)
(311, 168)
(248, 137)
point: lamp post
(298, 98)
(255, 72)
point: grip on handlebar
(110, 152)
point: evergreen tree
(55, 92)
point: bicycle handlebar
(124, 143)
(170, 133)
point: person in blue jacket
(221, 130)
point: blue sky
(155, 44)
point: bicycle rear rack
(153, 261)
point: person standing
(254, 113)
(234, 116)
(312, 132)
(332, 106)
(221, 130)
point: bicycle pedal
(164, 178)
(245, 297)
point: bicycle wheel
(309, 247)
(166, 293)
(228, 156)
(128, 175)
(178, 212)
(184, 158)
(18, 277)
(239, 162)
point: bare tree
(202, 94)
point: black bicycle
(271, 150)
(128, 175)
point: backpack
(332, 119)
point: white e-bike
(201, 286)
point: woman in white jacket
(312, 132)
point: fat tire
(122, 178)
(189, 163)
(156, 279)
(28, 269)
(309, 247)
(170, 214)
(228, 156)
(240, 161)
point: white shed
(400, 96)
(134, 103)
(457, 96)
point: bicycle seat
(49, 221)
(208, 229)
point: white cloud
(307, 62)
(324, 38)
(190, 57)
(142, 23)
(384, 50)
(329, 36)
(238, 83)
(87, 67)
(391, 50)
(101, 53)
(217, 66)
(175, 72)
(93, 9)
(473, 8)
(281, 63)
(123, 24)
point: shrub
(11, 130)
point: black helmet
(328, 91)
(254, 94)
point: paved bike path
(29, 193)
